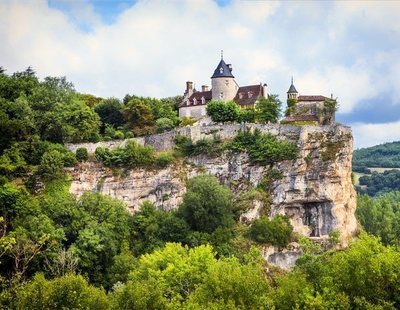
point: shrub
(187, 121)
(119, 135)
(109, 131)
(51, 165)
(164, 124)
(82, 154)
(263, 148)
(164, 159)
(275, 232)
(186, 146)
(131, 155)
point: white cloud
(155, 46)
(366, 135)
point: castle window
(221, 95)
(194, 101)
(226, 82)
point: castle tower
(223, 85)
(292, 92)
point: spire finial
(222, 54)
(292, 79)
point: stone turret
(223, 84)
(292, 92)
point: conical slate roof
(222, 70)
(292, 89)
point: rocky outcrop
(314, 190)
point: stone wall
(165, 141)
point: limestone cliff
(315, 190)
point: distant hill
(385, 155)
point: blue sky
(151, 48)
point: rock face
(315, 190)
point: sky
(151, 48)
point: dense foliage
(385, 155)
(263, 148)
(266, 110)
(133, 155)
(223, 112)
(379, 183)
(52, 110)
(381, 216)
(274, 232)
(211, 146)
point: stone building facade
(223, 87)
(314, 109)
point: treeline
(51, 110)
(379, 183)
(386, 155)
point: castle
(223, 87)
(301, 109)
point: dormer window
(240, 95)
(203, 100)
(250, 94)
(221, 70)
(194, 101)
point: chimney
(265, 90)
(204, 88)
(189, 88)
(230, 67)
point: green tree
(68, 292)
(164, 124)
(110, 112)
(248, 115)
(269, 109)
(123, 264)
(381, 216)
(231, 285)
(51, 165)
(152, 228)
(102, 228)
(79, 122)
(221, 111)
(139, 116)
(16, 121)
(275, 232)
(291, 105)
(82, 154)
(207, 205)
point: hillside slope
(385, 155)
